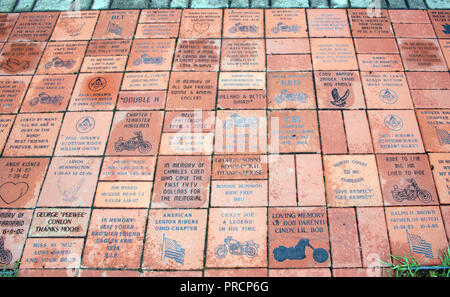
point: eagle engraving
(337, 99)
(69, 193)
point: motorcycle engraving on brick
(283, 253)
(411, 192)
(136, 142)
(44, 98)
(236, 248)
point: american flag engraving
(418, 245)
(171, 249)
(443, 136)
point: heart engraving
(11, 192)
(201, 27)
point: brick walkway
(223, 142)
(61, 5)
